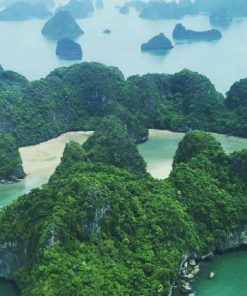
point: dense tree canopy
(10, 160)
(96, 229)
(80, 96)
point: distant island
(47, 3)
(158, 42)
(181, 33)
(124, 9)
(158, 10)
(60, 26)
(107, 31)
(21, 11)
(233, 8)
(220, 18)
(138, 5)
(162, 10)
(68, 49)
(78, 8)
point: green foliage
(111, 144)
(73, 152)
(10, 160)
(96, 229)
(99, 227)
(197, 143)
(239, 163)
(80, 96)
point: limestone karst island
(123, 148)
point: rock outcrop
(68, 49)
(181, 33)
(78, 8)
(107, 31)
(21, 11)
(61, 25)
(158, 42)
(10, 260)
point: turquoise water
(159, 150)
(8, 289)
(230, 276)
(40, 161)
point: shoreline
(186, 268)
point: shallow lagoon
(40, 161)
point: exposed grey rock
(10, 260)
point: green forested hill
(10, 160)
(81, 96)
(78, 97)
(98, 229)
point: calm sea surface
(25, 50)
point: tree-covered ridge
(10, 160)
(96, 229)
(110, 144)
(80, 96)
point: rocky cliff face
(10, 260)
(234, 240)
